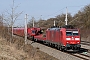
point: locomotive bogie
(73, 47)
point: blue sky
(44, 9)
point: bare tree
(11, 17)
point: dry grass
(17, 50)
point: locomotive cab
(72, 39)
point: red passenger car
(30, 31)
(18, 31)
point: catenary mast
(66, 17)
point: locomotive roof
(54, 29)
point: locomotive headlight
(67, 42)
(77, 42)
(77, 38)
(68, 38)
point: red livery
(65, 38)
(30, 31)
(62, 38)
(18, 31)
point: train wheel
(62, 48)
(78, 48)
(33, 38)
(49, 44)
(43, 42)
(55, 45)
(58, 47)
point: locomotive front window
(72, 33)
(75, 33)
(68, 33)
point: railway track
(79, 54)
(82, 56)
(59, 54)
(85, 43)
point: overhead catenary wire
(55, 13)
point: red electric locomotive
(63, 38)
